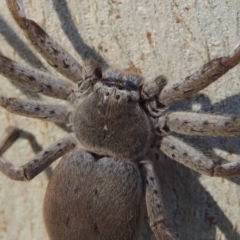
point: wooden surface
(172, 38)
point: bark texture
(156, 37)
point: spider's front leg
(54, 54)
(41, 161)
(208, 73)
(154, 202)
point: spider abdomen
(94, 199)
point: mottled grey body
(103, 127)
(116, 114)
(94, 199)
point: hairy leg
(41, 161)
(154, 202)
(196, 160)
(208, 73)
(201, 124)
(35, 80)
(12, 134)
(54, 54)
(49, 112)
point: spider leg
(154, 202)
(201, 124)
(49, 112)
(196, 160)
(208, 73)
(42, 160)
(54, 54)
(35, 80)
(12, 135)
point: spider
(97, 191)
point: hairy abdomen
(89, 199)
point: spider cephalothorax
(109, 118)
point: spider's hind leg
(39, 163)
(154, 202)
(12, 134)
